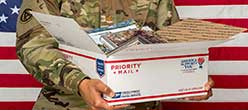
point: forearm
(38, 52)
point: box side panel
(156, 79)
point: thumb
(209, 84)
(105, 89)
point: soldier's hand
(208, 86)
(91, 91)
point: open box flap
(241, 40)
(66, 31)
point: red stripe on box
(228, 53)
(209, 2)
(233, 22)
(16, 105)
(8, 53)
(155, 96)
(78, 54)
(204, 105)
(18, 80)
(230, 81)
(138, 59)
(156, 58)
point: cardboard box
(138, 73)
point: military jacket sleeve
(38, 51)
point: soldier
(66, 87)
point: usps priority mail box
(138, 73)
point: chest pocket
(86, 13)
(114, 11)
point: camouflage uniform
(38, 52)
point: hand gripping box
(137, 73)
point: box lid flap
(241, 40)
(66, 31)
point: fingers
(120, 106)
(199, 98)
(209, 84)
(101, 103)
(105, 89)
(112, 107)
(94, 108)
(92, 90)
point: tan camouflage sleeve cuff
(73, 81)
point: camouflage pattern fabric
(38, 51)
